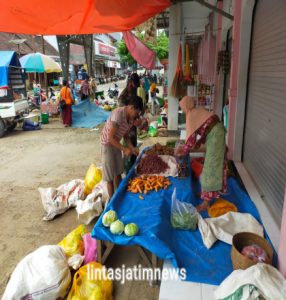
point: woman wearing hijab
(204, 127)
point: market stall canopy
(40, 63)
(7, 59)
(139, 51)
(55, 17)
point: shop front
(106, 61)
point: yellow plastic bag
(92, 177)
(87, 284)
(73, 242)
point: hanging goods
(179, 88)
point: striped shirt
(116, 119)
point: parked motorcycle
(36, 99)
(113, 92)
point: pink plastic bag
(89, 248)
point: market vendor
(129, 92)
(118, 126)
(204, 127)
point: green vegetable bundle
(186, 220)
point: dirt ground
(48, 158)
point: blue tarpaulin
(7, 59)
(184, 248)
(87, 114)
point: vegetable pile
(160, 150)
(117, 227)
(144, 184)
(151, 164)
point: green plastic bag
(183, 215)
(152, 132)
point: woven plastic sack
(42, 274)
(92, 177)
(89, 284)
(73, 243)
(183, 214)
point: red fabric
(139, 51)
(67, 115)
(197, 167)
(62, 17)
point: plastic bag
(92, 177)
(73, 242)
(89, 208)
(152, 132)
(183, 214)
(89, 248)
(87, 284)
(42, 274)
(75, 261)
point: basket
(242, 239)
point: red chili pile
(151, 164)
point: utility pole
(45, 74)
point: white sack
(59, 200)
(41, 275)
(223, 228)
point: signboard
(104, 50)
(112, 64)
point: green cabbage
(109, 217)
(131, 229)
(117, 227)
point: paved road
(121, 85)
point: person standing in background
(146, 87)
(141, 93)
(67, 96)
(85, 89)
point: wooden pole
(45, 74)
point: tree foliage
(161, 48)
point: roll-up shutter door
(264, 150)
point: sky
(52, 40)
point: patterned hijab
(195, 116)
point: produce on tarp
(144, 184)
(160, 150)
(131, 229)
(117, 227)
(183, 214)
(184, 220)
(109, 217)
(151, 164)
